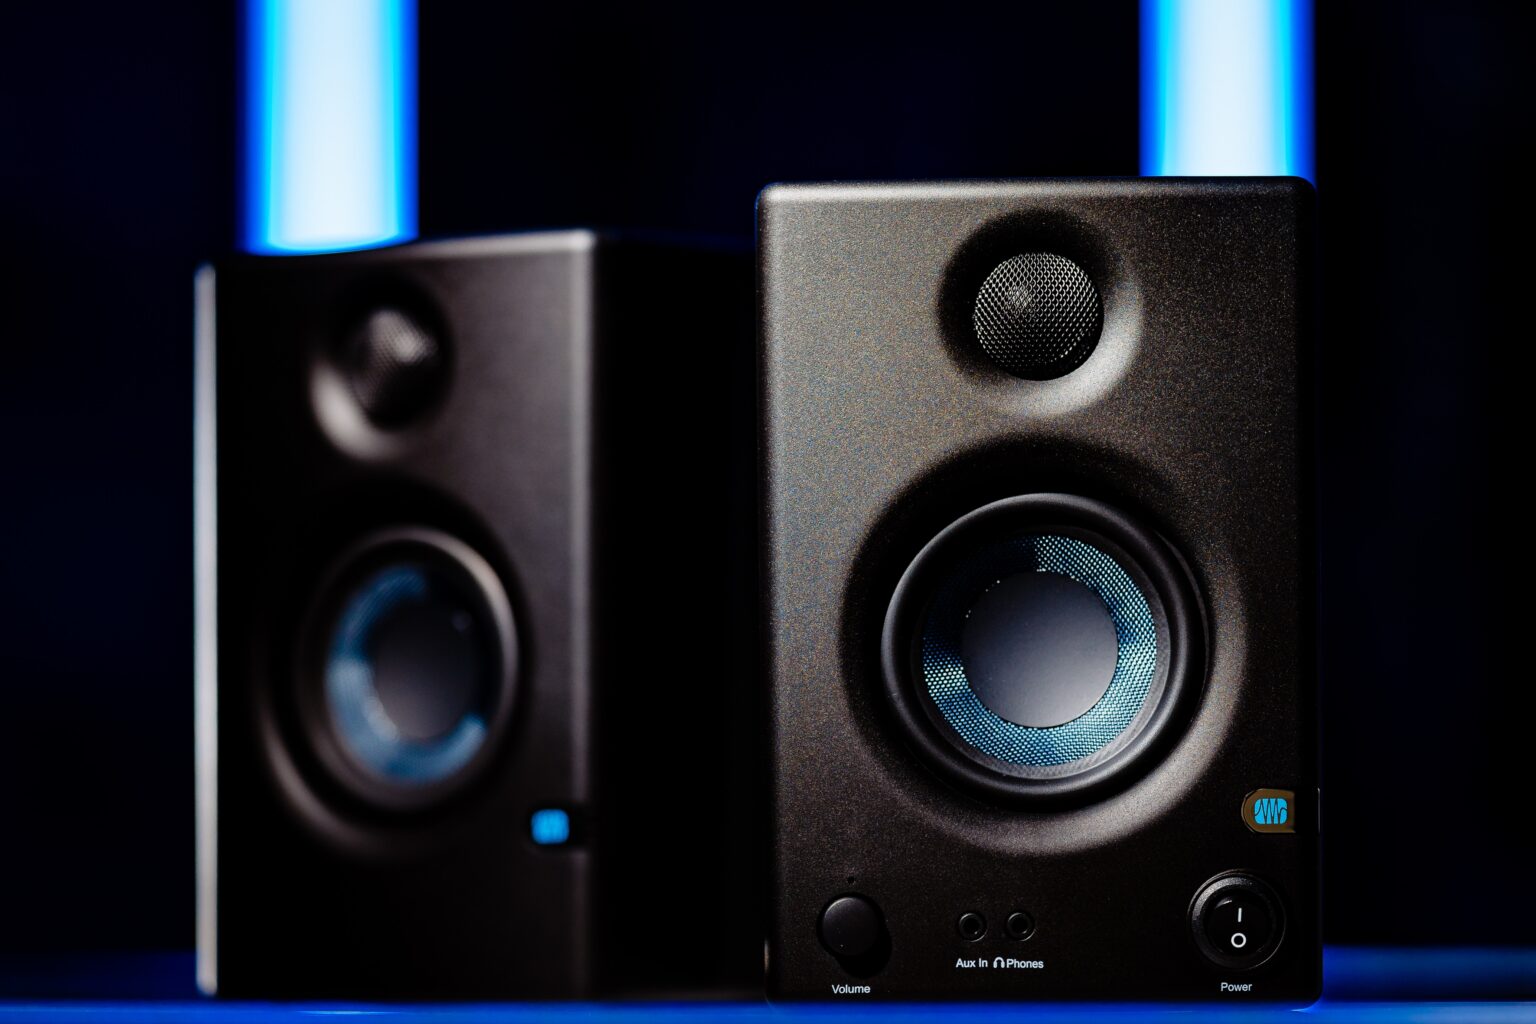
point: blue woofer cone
(411, 657)
(1041, 647)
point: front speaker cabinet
(1038, 598)
(475, 702)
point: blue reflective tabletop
(1364, 984)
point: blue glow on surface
(1362, 983)
(1226, 87)
(330, 133)
(666, 1013)
(1469, 972)
(549, 826)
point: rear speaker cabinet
(475, 703)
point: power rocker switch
(1238, 921)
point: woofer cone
(1042, 648)
(407, 669)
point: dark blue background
(119, 173)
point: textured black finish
(1037, 315)
(879, 429)
(594, 447)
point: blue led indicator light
(550, 826)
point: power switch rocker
(1237, 920)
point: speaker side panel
(316, 895)
(881, 426)
(678, 709)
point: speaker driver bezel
(1146, 557)
(314, 720)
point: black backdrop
(118, 174)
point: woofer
(1042, 647)
(408, 668)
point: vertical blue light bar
(330, 124)
(1226, 87)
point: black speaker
(475, 551)
(1039, 590)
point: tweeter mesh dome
(394, 364)
(1037, 315)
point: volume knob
(852, 927)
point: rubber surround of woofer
(1086, 627)
(407, 667)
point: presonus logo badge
(1270, 810)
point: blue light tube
(330, 134)
(1226, 87)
